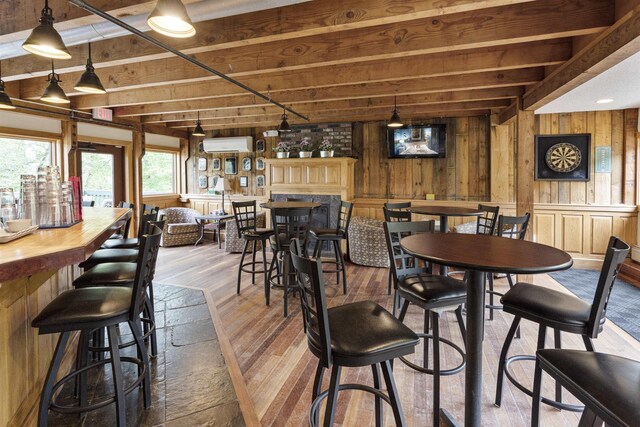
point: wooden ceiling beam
(294, 21)
(509, 25)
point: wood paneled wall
(462, 175)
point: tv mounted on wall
(417, 141)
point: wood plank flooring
(278, 370)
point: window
(158, 172)
(21, 156)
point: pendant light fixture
(170, 18)
(44, 40)
(89, 81)
(284, 124)
(394, 121)
(198, 131)
(5, 101)
(54, 93)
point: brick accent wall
(339, 133)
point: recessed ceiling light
(604, 101)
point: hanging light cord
(84, 5)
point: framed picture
(259, 181)
(215, 164)
(244, 181)
(260, 164)
(562, 157)
(260, 146)
(202, 181)
(246, 164)
(230, 165)
(202, 164)
(416, 134)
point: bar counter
(34, 270)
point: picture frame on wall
(260, 144)
(244, 181)
(260, 164)
(215, 164)
(563, 157)
(231, 165)
(246, 164)
(202, 164)
(202, 181)
(260, 181)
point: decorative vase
(305, 154)
(282, 154)
(326, 153)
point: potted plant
(326, 148)
(305, 147)
(282, 149)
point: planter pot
(305, 154)
(282, 154)
(326, 153)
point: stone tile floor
(190, 382)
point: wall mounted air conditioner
(241, 144)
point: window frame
(157, 149)
(55, 142)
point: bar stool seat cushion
(110, 255)
(546, 306)
(79, 309)
(434, 289)
(601, 381)
(365, 329)
(130, 243)
(109, 273)
(259, 232)
(326, 233)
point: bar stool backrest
(290, 223)
(488, 220)
(513, 227)
(145, 222)
(617, 251)
(397, 206)
(245, 216)
(313, 300)
(344, 217)
(145, 270)
(396, 215)
(125, 205)
(127, 225)
(150, 209)
(402, 263)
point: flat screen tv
(417, 141)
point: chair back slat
(290, 223)
(403, 263)
(146, 268)
(488, 220)
(344, 217)
(396, 215)
(313, 300)
(617, 251)
(513, 227)
(145, 222)
(245, 216)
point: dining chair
(433, 293)
(355, 335)
(606, 384)
(560, 311)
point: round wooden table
(480, 254)
(444, 212)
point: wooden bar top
(52, 249)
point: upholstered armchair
(180, 227)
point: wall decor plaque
(562, 157)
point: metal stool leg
(503, 359)
(118, 380)
(47, 388)
(330, 410)
(376, 384)
(393, 393)
(146, 382)
(436, 367)
(317, 387)
(253, 262)
(244, 253)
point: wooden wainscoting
(206, 203)
(581, 230)
(164, 201)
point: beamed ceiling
(338, 60)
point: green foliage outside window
(158, 173)
(21, 156)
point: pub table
(444, 212)
(481, 254)
(217, 220)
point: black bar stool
(246, 222)
(86, 310)
(395, 212)
(352, 335)
(132, 243)
(560, 311)
(335, 236)
(433, 293)
(124, 230)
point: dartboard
(563, 157)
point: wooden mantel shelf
(316, 175)
(52, 249)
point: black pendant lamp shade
(198, 131)
(394, 121)
(284, 124)
(170, 18)
(89, 81)
(54, 93)
(44, 40)
(5, 101)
